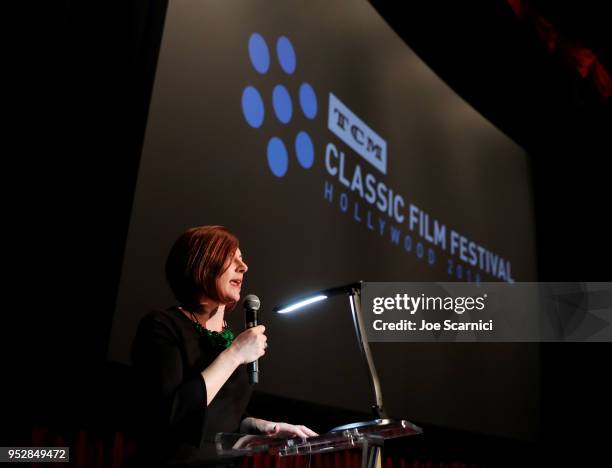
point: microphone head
(252, 302)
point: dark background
(84, 113)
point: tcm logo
(282, 103)
(352, 131)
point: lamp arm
(355, 300)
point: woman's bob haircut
(197, 258)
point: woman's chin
(231, 300)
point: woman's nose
(242, 267)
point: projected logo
(355, 175)
(254, 109)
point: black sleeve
(175, 403)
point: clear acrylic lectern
(367, 436)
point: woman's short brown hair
(197, 258)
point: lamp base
(374, 423)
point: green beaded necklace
(219, 339)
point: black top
(178, 429)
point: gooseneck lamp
(353, 291)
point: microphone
(251, 306)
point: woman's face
(230, 282)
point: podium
(369, 436)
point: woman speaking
(190, 363)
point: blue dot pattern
(286, 55)
(281, 102)
(278, 160)
(308, 101)
(253, 107)
(304, 150)
(259, 53)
